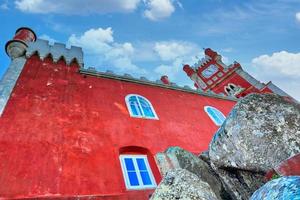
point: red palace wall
(61, 132)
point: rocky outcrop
(282, 188)
(178, 158)
(259, 133)
(182, 184)
(238, 184)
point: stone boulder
(178, 158)
(182, 184)
(238, 184)
(282, 188)
(261, 131)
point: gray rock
(205, 157)
(178, 158)
(238, 184)
(259, 133)
(182, 184)
(279, 189)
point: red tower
(211, 74)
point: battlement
(91, 71)
(57, 51)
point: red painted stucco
(61, 132)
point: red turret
(189, 71)
(210, 53)
(17, 46)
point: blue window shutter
(143, 171)
(216, 115)
(141, 164)
(133, 179)
(131, 171)
(145, 178)
(148, 112)
(134, 105)
(146, 107)
(129, 164)
(221, 116)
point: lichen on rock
(183, 185)
(178, 158)
(259, 133)
(281, 188)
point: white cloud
(172, 70)
(175, 54)
(102, 50)
(175, 49)
(155, 9)
(282, 68)
(94, 40)
(99, 45)
(282, 63)
(225, 60)
(76, 6)
(298, 16)
(158, 9)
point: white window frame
(211, 117)
(140, 106)
(141, 186)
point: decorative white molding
(57, 51)
(9, 80)
(249, 78)
(276, 89)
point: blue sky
(155, 37)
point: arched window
(215, 115)
(139, 106)
(232, 89)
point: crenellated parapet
(57, 51)
(163, 82)
(209, 71)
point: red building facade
(70, 132)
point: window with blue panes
(215, 115)
(137, 172)
(139, 106)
